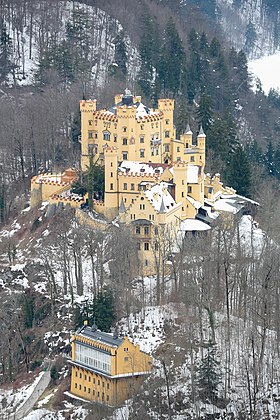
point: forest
(224, 286)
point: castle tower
(87, 108)
(111, 197)
(201, 140)
(180, 180)
(167, 130)
(187, 137)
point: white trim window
(93, 358)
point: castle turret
(111, 198)
(87, 108)
(201, 139)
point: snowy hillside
(34, 28)
(247, 21)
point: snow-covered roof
(141, 109)
(190, 225)
(232, 203)
(192, 174)
(194, 202)
(160, 198)
(129, 166)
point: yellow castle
(154, 182)
(106, 368)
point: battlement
(105, 116)
(157, 116)
(87, 105)
(166, 104)
(111, 149)
(138, 175)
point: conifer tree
(5, 52)
(209, 376)
(121, 53)
(172, 61)
(204, 112)
(239, 172)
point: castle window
(153, 151)
(93, 392)
(166, 121)
(178, 159)
(80, 387)
(108, 387)
(142, 153)
(156, 230)
(111, 174)
(107, 398)
(98, 394)
(124, 155)
(142, 139)
(146, 263)
(189, 189)
(132, 187)
(85, 377)
(182, 193)
(89, 390)
(157, 151)
(111, 164)
(137, 230)
(183, 182)
(80, 376)
(152, 125)
(178, 149)
(76, 385)
(124, 129)
(90, 122)
(124, 142)
(98, 382)
(142, 127)
(125, 349)
(146, 246)
(125, 186)
(183, 209)
(111, 187)
(92, 149)
(85, 389)
(146, 230)
(192, 158)
(167, 134)
(103, 384)
(76, 373)
(93, 380)
(156, 246)
(102, 396)
(89, 379)
(115, 138)
(126, 359)
(139, 246)
(90, 134)
(166, 147)
(187, 145)
(106, 135)
(142, 206)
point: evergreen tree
(250, 38)
(269, 158)
(239, 172)
(172, 61)
(102, 311)
(121, 53)
(209, 376)
(149, 48)
(27, 308)
(204, 112)
(5, 52)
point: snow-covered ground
(267, 70)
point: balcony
(156, 142)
